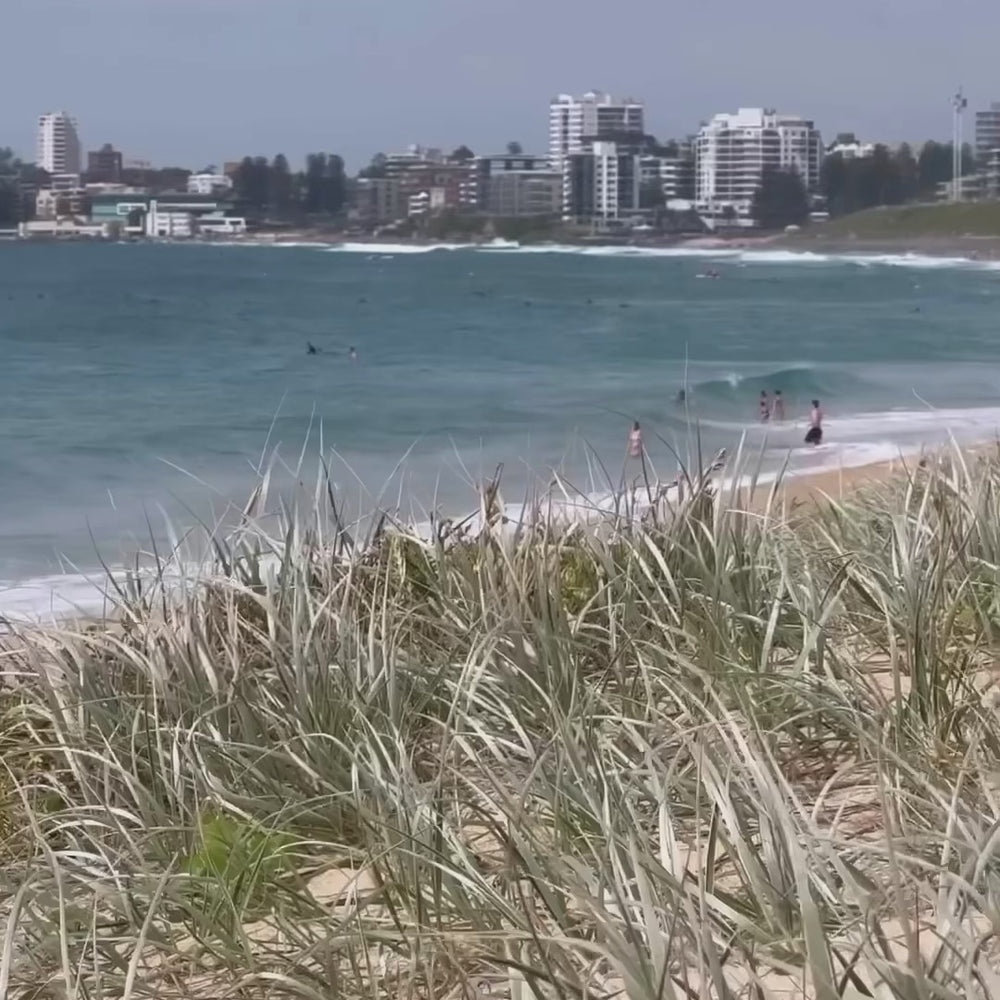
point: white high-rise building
(58, 148)
(733, 150)
(576, 122)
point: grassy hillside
(944, 220)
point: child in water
(635, 441)
(764, 407)
(778, 406)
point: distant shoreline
(808, 241)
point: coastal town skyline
(205, 85)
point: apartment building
(58, 144)
(575, 122)
(600, 185)
(733, 150)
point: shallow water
(127, 364)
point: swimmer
(778, 406)
(635, 441)
(764, 407)
(814, 435)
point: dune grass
(737, 752)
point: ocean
(146, 384)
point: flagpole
(959, 103)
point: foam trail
(741, 255)
(392, 249)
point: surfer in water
(764, 406)
(311, 348)
(778, 407)
(635, 441)
(814, 435)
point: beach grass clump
(743, 750)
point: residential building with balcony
(732, 151)
(600, 185)
(987, 132)
(575, 122)
(379, 200)
(518, 184)
(58, 144)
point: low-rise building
(174, 216)
(379, 200)
(848, 147)
(208, 183)
(61, 203)
(419, 170)
(991, 171)
(518, 184)
(973, 187)
(36, 228)
(600, 186)
(531, 193)
(674, 175)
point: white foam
(49, 598)
(984, 421)
(784, 257)
(740, 255)
(391, 249)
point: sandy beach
(834, 484)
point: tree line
(852, 184)
(16, 177)
(272, 189)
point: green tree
(933, 166)
(377, 168)
(314, 182)
(11, 171)
(514, 149)
(670, 149)
(462, 155)
(252, 182)
(906, 167)
(280, 186)
(834, 183)
(781, 200)
(334, 185)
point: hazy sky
(192, 82)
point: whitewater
(148, 385)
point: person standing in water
(778, 406)
(352, 354)
(635, 441)
(814, 435)
(764, 407)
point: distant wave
(794, 383)
(740, 256)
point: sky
(197, 82)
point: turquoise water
(149, 376)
